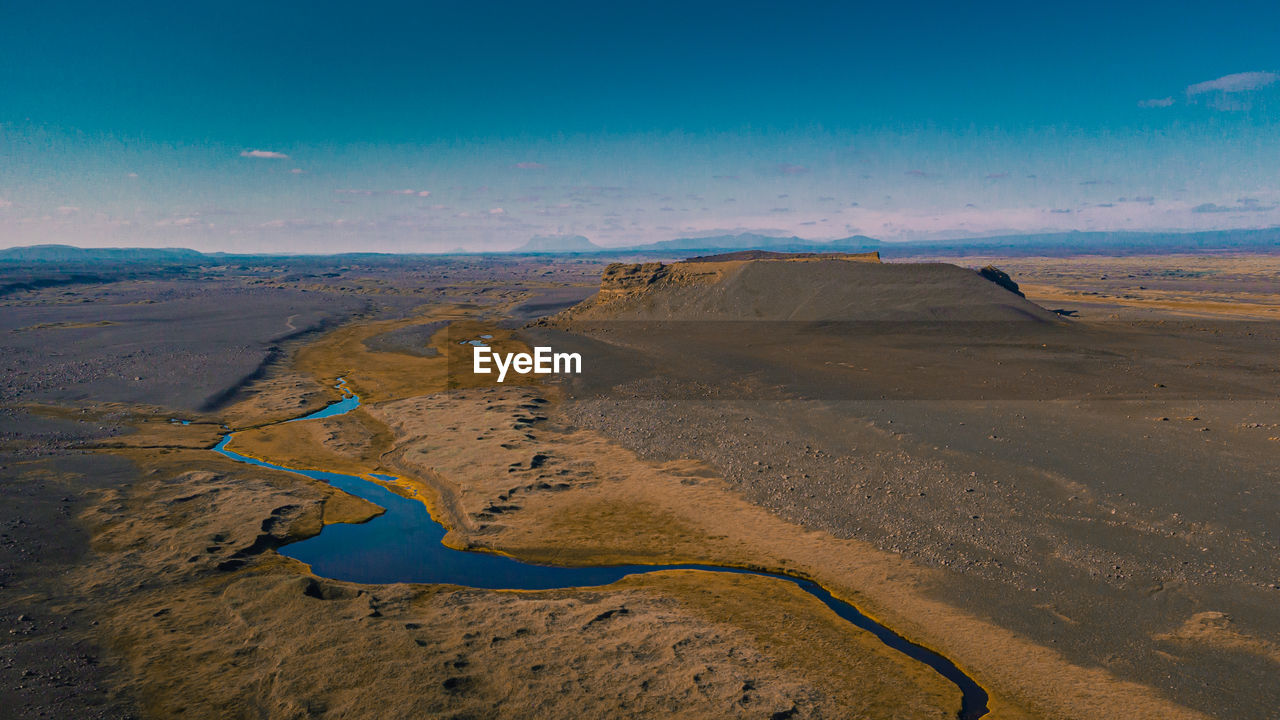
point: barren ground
(1064, 531)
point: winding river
(404, 545)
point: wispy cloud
(790, 169)
(1242, 205)
(1234, 83)
(1231, 92)
(176, 222)
(529, 166)
(1163, 102)
(367, 193)
(263, 154)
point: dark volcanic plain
(1103, 481)
(1108, 487)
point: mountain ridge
(1054, 244)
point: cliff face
(623, 278)
(1001, 278)
(826, 288)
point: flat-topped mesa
(873, 256)
(620, 279)
(825, 287)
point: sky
(427, 126)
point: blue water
(404, 545)
(350, 401)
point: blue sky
(316, 126)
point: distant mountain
(1075, 243)
(559, 244)
(752, 241)
(1059, 244)
(69, 254)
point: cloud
(68, 210)
(176, 222)
(916, 173)
(132, 175)
(529, 166)
(497, 211)
(1242, 205)
(790, 169)
(5, 203)
(997, 176)
(1163, 102)
(1231, 92)
(263, 154)
(298, 171)
(1234, 83)
(367, 193)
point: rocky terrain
(1095, 485)
(1076, 507)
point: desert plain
(1067, 487)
